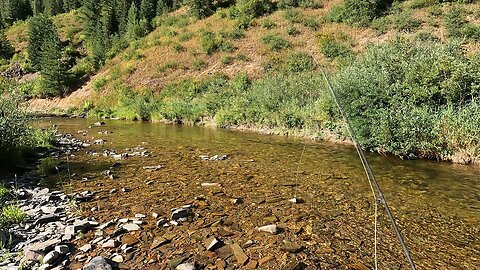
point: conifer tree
(52, 68)
(36, 39)
(69, 5)
(6, 49)
(37, 7)
(44, 52)
(132, 22)
(120, 13)
(50, 7)
(148, 9)
(163, 6)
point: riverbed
(436, 204)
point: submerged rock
(185, 266)
(269, 228)
(131, 227)
(97, 263)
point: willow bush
(396, 94)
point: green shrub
(268, 24)
(12, 214)
(99, 83)
(47, 166)
(359, 12)
(275, 42)
(211, 43)
(198, 64)
(243, 57)
(292, 31)
(331, 47)
(472, 31)
(311, 22)
(185, 36)
(247, 10)
(299, 62)
(178, 48)
(406, 22)
(284, 4)
(454, 21)
(167, 66)
(14, 130)
(394, 93)
(293, 15)
(226, 60)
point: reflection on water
(416, 189)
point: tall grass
(17, 137)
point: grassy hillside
(405, 72)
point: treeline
(110, 25)
(14, 10)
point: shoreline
(328, 136)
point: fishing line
(372, 181)
(309, 100)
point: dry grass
(156, 51)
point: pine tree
(132, 22)
(120, 13)
(147, 9)
(163, 6)
(36, 39)
(201, 8)
(52, 68)
(70, 5)
(90, 15)
(44, 52)
(13, 10)
(6, 49)
(37, 7)
(50, 7)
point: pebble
(211, 242)
(97, 263)
(110, 244)
(241, 257)
(62, 249)
(131, 227)
(86, 248)
(117, 258)
(269, 228)
(185, 266)
(211, 185)
(50, 257)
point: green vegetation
(334, 46)
(152, 55)
(275, 42)
(47, 166)
(407, 98)
(16, 137)
(12, 214)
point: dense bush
(16, 136)
(395, 93)
(333, 47)
(275, 42)
(359, 12)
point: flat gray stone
(97, 263)
(50, 257)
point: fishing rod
(371, 177)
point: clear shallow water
(437, 204)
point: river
(436, 204)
